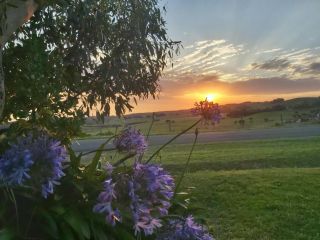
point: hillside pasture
(174, 122)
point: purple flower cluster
(208, 110)
(38, 158)
(185, 229)
(48, 155)
(15, 164)
(104, 204)
(149, 189)
(131, 140)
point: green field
(253, 189)
(182, 120)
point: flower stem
(99, 150)
(172, 139)
(173, 216)
(30, 221)
(186, 165)
(14, 201)
(150, 127)
(122, 160)
(148, 134)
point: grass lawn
(253, 189)
(282, 203)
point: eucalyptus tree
(77, 56)
(13, 13)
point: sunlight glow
(211, 97)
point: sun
(211, 97)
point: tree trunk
(2, 90)
(15, 17)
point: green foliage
(59, 218)
(85, 56)
(75, 57)
(68, 214)
(34, 90)
(65, 215)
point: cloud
(275, 85)
(273, 64)
(315, 67)
(294, 63)
(254, 86)
(238, 62)
(204, 57)
(310, 69)
(269, 51)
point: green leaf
(99, 233)
(91, 168)
(78, 224)
(58, 209)
(50, 224)
(122, 233)
(74, 159)
(66, 232)
(6, 234)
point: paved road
(272, 133)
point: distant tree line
(278, 104)
(244, 112)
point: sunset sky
(240, 50)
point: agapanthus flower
(36, 157)
(104, 204)
(150, 190)
(108, 168)
(209, 111)
(15, 164)
(184, 229)
(131, 140)
(48, 155)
